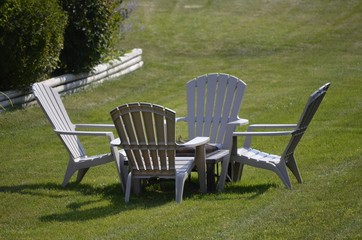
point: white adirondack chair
(213, 105)
(278, 164)
(147, 133)
(53, 107)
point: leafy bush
(31, 37)
(91, 29)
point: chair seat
(257, 155)
(182, 165)
(93, 158)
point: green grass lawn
(283, 50)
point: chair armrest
(81, 125)
(268, 133)
(239, 122)
(197, 141)
(248, 134)
(115, 142)
(86, 133)
(252, 126)
(276, 133)
(181, 119)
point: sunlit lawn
(283, 50)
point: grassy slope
(283, 50)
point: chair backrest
(147, 133)
(213, 100)
(308, 113)
(49, 100)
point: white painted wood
(210, 103)
(226, 110)
(213, 105)
(191, 114)
(147, 133)
(200, 105)
(50, 102)
(222, 82)
(278, 163)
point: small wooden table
(213, 159)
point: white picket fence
(71, 83)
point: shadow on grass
(108, 200)
(254, 190)
(237, 191)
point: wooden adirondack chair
(147, 133)
(213, 105)
(53, 107)
(276, 163)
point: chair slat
(191, 109)
(138, 126)
(170, 137)
(160, 133)
(200, 105)
(211, 104)
(221, 91)
(238, 99)
(226, 110)
(132, 138)
(151, 138)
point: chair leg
(121, 168)
(201, 167)
(241, 169)
(223, 175)
(69, 173)
(179, 186)
(128, 188)
(236, 171)
(137, 186)
(81, 173)
(292, 165)
(281, 171)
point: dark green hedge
(43, 37)
(88, 37)
(31, 37)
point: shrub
(88, 37)
(31, 37)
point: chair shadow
(153, 195)
(255, 190)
